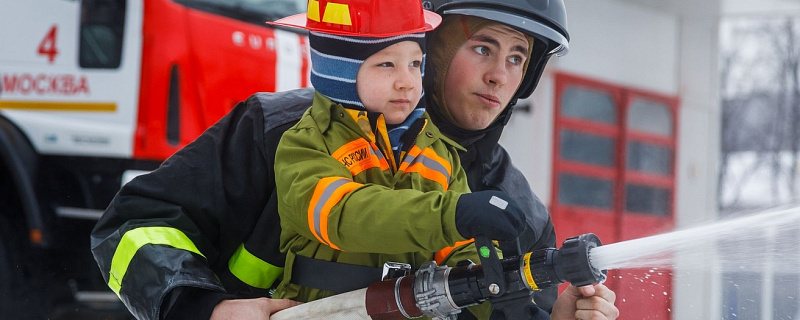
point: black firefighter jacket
(204, 226)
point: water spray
(440, 292)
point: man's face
(390, 81)
(484, 74)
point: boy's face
(484, 74)
(390, 81)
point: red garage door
(613, 175)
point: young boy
(365, 178)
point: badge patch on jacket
(359, 155)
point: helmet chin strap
(539, 57)
(507, 112)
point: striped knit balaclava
(335, 61)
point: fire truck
(94, 92)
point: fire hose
(440, 292)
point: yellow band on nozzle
(526, 266)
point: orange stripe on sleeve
(429, 165)
(428, 152)
(328, 192)
(412, 153)
(315, 199)
(429, 174)
(337, 195)
(442, 254)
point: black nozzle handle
(492, 269)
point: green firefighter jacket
(341, 197)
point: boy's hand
(490, 213)
(593, 302)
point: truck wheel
(18, 298)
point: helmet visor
(559, 44)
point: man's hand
(594, 302)
(250, 309)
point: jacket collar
(486, 138)
(324, 111)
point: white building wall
(528, 137)
(697, 293)
(623, 44)
(655, 49)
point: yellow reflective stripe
(313, 10)
(59, 106)
(337, 13)
(134, 239)
(252, 270)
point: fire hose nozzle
(570, 263)
(441, 291)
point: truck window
(102, 26)
(253, 11)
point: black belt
(332, 276)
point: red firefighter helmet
(364, 18)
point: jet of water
(743, 244)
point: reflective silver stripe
(96, 296)
(377, 154)
(428, 163)
(434, 165)
(409, 158)
(323, 199)
(79, 213)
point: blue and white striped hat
(335, 61)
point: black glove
(490, 213)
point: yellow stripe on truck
(134, 239)
(59, 106)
